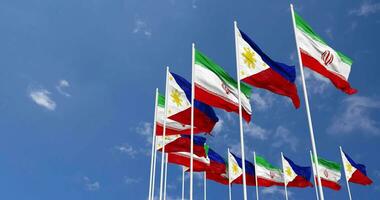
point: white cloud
(41, 97)
(316, 83)
(218, 127)
(275, 191)
(329, 33)
(255, 131)
(91, 185)
(127, 149)
(194, 4)
(142, 27)
(366, 8)
(62, 84)
(145, 129)
(356, 116)
(129, 180)
(283, 137)
(262, 101)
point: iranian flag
(267, 174)
(321, 58)
(172, 127)
(214, 87)
(329, 172)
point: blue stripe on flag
(286, 71)
(249, 167)
(358, 166)
(215, 156)
(300, 171)
(198, 140)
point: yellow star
(288, 171)
(249, 58)
(349, 167)
(235, 168)
(176, 97)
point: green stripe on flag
(161, 101)
(261, 161)
(328, 164)
(207, 63)
(306, 28)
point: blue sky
(77, 88)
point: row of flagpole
(162, 193)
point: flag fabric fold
(215, 87)
(355, 172)
(294, 175)
(181, 143)
(179, 105)
(259, 70)
(317, 55)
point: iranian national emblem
(225, 88)
(326, 173)
(271, 174)
(327, 57)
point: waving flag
(172, 127)
(219, 178)
(217, 162)
(329, 172)
(181, 143)
(259, 70)
(235, 170)
(294, 175)
(200, 163)
(355, 173)
(267, 175)
(213, 86)
(321, 58)
(179, 105)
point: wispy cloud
(355, 115)
(366, 8)
(194, 4)
(142, 28)
(256, 131)
(275, 191)
(218, 127)
(262, 100)
(91, 185)
(127, 149)
(42, 98)
(283, 136)
(146, 130)
(316, 83)
(130, 180)
(62, 85)
(329, 33)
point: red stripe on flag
(329, 184)
(214, 100)
(301, 182)
(201, 121)
(274, 82)
(337, 80)
(359, 178)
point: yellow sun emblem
(288, 171)
(249, 58)
(349, 167)
(235, 168)
(176, 98)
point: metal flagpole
(183, 183)
(307, 107)
(283, 172)
(204, 185)
(166, 174)
(154, 168)
(151, 184)
(313, 167)
(240, 115)
(345, 170)
(163, 135)
(229, 177)
(257, 183)
(192, 122)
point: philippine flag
(235, 170)
(179, 105)
(257, 69)
(181, 143)
(294, 175)
(355, 173)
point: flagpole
(345, 171)
(307, 107)
(313, 167)
(163, 135)
(229, 177)
(154, 167)
(283, 174)
(183, 183)
(257, 183)
(240, 115)
(192, 122)
(166, 174)
(204, 186)
(151, 184)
